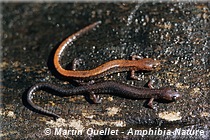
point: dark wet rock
(177, 33)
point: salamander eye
(174, 98)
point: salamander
(108, 87)
(113, 66)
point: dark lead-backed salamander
(113, 66)
(109, 87)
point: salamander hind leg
(95, 98)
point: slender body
(114, 66)
(109, 87)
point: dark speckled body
(109, 87)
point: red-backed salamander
(109, 87)
(114, 66)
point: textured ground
(178, 33)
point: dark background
(177, 33)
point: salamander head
(170, 95)
(149, 64)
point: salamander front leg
(135, 57)
(150, 84)
(133, 76)
(150, 103)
